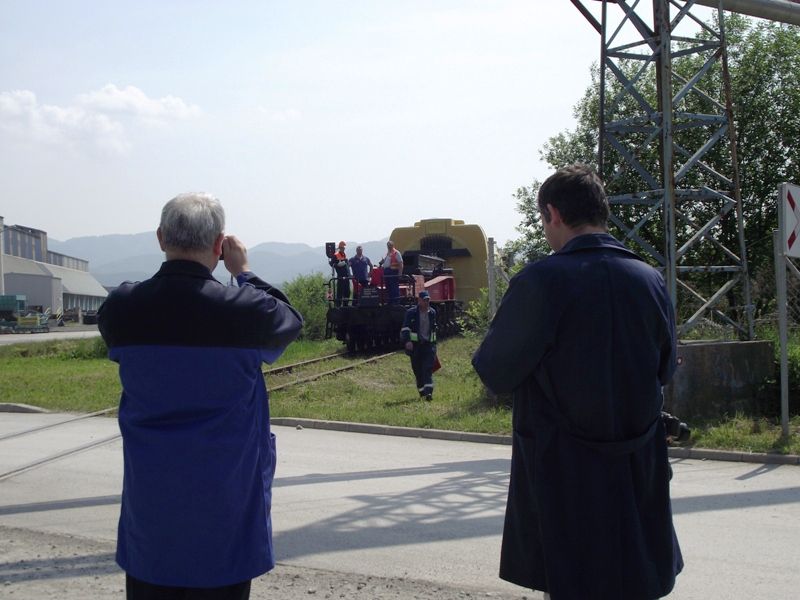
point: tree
(307, 295)
(765, 84)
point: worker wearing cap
(419, 335)
(342, 268)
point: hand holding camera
(234, 253)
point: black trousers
(422, 358)
(342, 291)
(136, 589)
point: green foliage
(476, 317)
(748, 434)
(307, 295)
(80, 349)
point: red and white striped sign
(790, 221)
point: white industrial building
(47, 279)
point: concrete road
(369, 516)
(70, 332)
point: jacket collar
(188, 268)
(592, 241)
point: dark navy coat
(585, 339)
(199, 457)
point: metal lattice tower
(665, 195)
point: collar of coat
(593, 241)
(187, 268)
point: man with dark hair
(361, 267)
(199, 457)
(585, 340)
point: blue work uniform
(199, 456)
(360, 267)
(423, 354)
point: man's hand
(235, 254)
(409, 346)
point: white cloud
(93, 122)
(132, 101)
(22, 115)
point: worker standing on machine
(392, 265)
(342, 268)
(419, 335)
(361, 267)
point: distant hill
(117, 258)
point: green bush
(476, 317)
(83, 349)
(307, 295)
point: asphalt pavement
(373, 516)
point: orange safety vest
(393, 261)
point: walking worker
(342, 268)
(585, 340)
(199, 456)
(392, 265)
(419, 335)
(361, 267)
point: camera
(676, 429)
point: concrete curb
(434, 434)
(486, 438)
(480, 438)
(12, 407)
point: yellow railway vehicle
(463, 247)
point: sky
(311, 121)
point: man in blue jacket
(199, 457)
(585, 340)
(419, 335)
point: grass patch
(65, 376)
(747, 434)
(384, 392)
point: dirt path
(40, 566)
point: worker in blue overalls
(419, 335)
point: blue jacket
(585, 339)
(410, 330)
(199, 457)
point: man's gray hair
(192, 221)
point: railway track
(306, 379)
(289, 368)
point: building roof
(73, 281)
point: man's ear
(160, 237)
(555, 215)
(218, 244)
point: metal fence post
(780, 284)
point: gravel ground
(35, 565)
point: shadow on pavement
(467, 502)
(16, 509)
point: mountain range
(135, 257)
